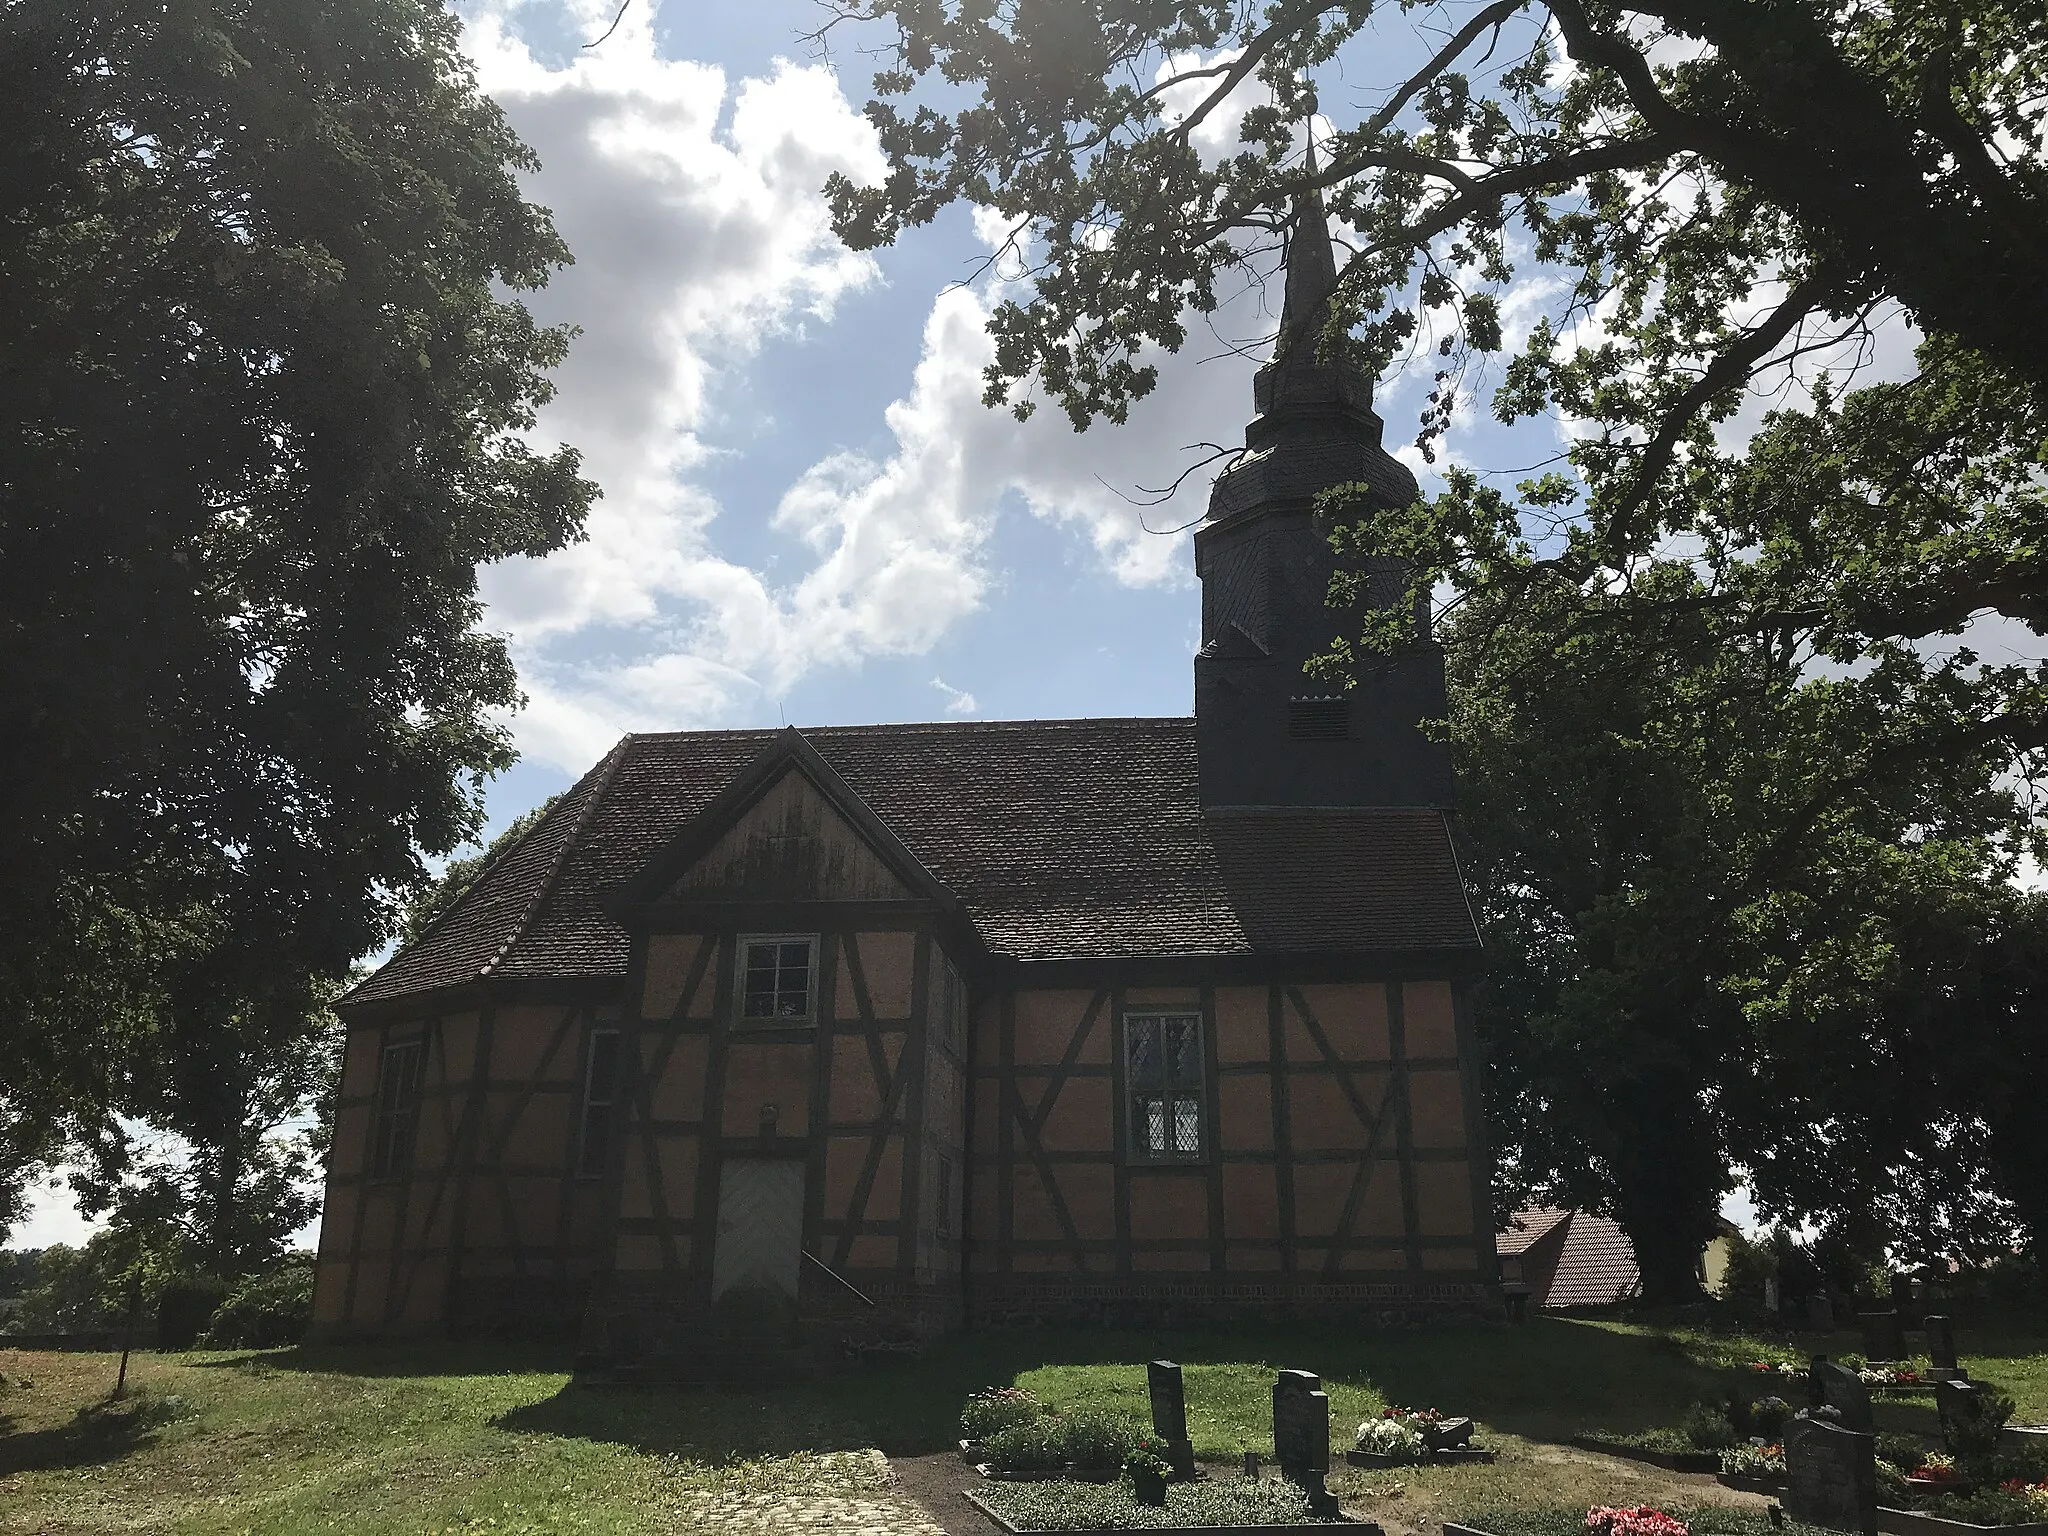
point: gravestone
(1901, 1288)
(1771, 1295)
(1820, 1314)
(1959, 1403)
(1830, 1476)
(1301, 1437)
(1883, 1338)
(1448, 1435)
(1170, 1416)
(1834, 1386)
(1941, 1348)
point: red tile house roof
(1570, 1258)
(1061, 839)
(1530, 1226)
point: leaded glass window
(398, 1106)
(1163, 1075)
(600, 1093)
(776, 976)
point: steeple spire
(1297, 392)
(1311, 265)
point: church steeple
(1298, 387)
(1269, 736)
(1311, 266)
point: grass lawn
(458, 1438)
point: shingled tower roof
(1269, 735)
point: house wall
(863, 1097)
(1346, 1169)
(488, 1225)
(1344, 1163)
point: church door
(760, 1224)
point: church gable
(791, 844)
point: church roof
(1061, 839)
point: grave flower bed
(1638, 1521)
(1667, 1448)
(1088, 1445)
(991, 1411)
(1936, 1474)
(1976, 1483)
(1248, 1504)
(1894, 1379)
(1402, 1437)
(1714, 1437)
(1711, 1520)
(1753, 1465)
(1952, 1503)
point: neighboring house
(1567, 1258)
(1720, 1253)
(1575, 1259)
(1071, 1018)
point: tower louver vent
(1319, 719)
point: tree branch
(624, 6)
(1495, 16)
(1728, 369)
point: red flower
(1936, 1474)
(1640, 1521)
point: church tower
(1268, 734)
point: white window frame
(1170, 1092)
(741, 945)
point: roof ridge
(881, 727)
(599, 779)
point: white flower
(1389, 1437)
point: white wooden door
(760, 1224)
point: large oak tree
(1783, 743)
(267, 387)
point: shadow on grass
(97, 1434)
(1546, 1380)
(714, 1427)
(419, 1357)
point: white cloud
(52, 1216)
(694, 206)
(958, 700)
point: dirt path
(934, 1483)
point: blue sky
(808, 515)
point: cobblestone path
(882, 1510)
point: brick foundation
(1136, 1301)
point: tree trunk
(222, 1226)
(1669, 1175)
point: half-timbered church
(983, 1021)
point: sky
(808, 516)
